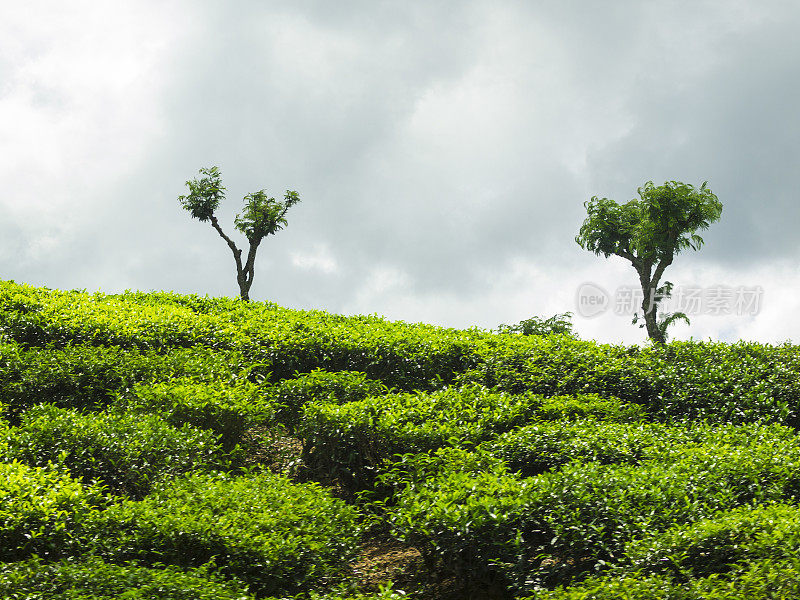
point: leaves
(204, 194)
(279, 537)
(263, 216)
(558, 324)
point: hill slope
(188, 443)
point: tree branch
(249, 267)
(629, 256)
(665, 262)
(237, 254)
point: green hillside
(158, 445)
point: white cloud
(319, 258)
(79, 104)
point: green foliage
(42, 511)
(551, 528)
(628, 588)
(124, 452)
(204, 195)
(534, 460)
(718, 545)
(385, 593)
(589, 405)
(349, 441)
(277, 537)
(540, 447)
(95, 579)
(88, 377)
(407, 472)
(276, 342)
(670, 319)
(263, 216)
(339, 387)
(558, 324)
(461, 522)
(227, 410)
(662, 223)
(761, 580)
(685, 381)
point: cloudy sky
(442, 150)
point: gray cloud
(436, 147)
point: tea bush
(282, 341)
(227, 410)
(687, 381)
(276, 536)
(407, 472)
(534, 459)
(535, 448)
(350, 441)
(581, 517)
(740, 536)
(761, 580)
(384, 594)
(318, 385)
(89, 377)
(95, 579)
(124, 452)
(737, 383)
(42, 511)
(590, 405)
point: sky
(442, 151)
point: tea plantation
(157, 445)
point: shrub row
(549, 528)
(89, 377)
(339, 387)
(737, 537)
(230, 409)
(226, 409)
(125, 452)
(278, 537)
(690, 381)
(275, 536)
(95, 579)
(739, 383)
(42, 511)
(350, 441)
(761, 580)
(547, 445)
(541, 446)
(282, 341)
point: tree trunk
(651, 323)
(650, 307)
(244, 273)
(248, 271)
(244, 289)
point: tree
(262, 216)
(648, 233)
(558, 324)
